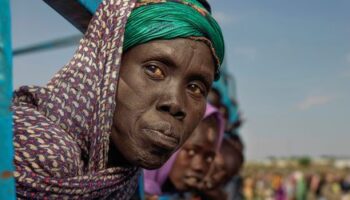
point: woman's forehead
(178, 53)
(206, 133)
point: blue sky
(291, 61)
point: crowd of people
(295, 184)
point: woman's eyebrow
(204, 77)
(196, 146)
(211, 153)
(164, 58)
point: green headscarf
(173, 19)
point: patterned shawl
(61, 131)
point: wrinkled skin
(161, 98)
(195, 157)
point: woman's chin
(151, 166)
(153, 162)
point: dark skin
(226, 165)
(194, 159)
(161, 98)
(214, 98)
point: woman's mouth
(162, 139)
(193, 181)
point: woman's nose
(172, 102)
(198, 164)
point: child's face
(226, 164)
(196, 156)
(216, 173)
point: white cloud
(313, 100)
(247, 52)
(224, 18)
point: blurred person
(234, 187)
(301, 188)
(345, 185)
(313, 186)
(226, 166)
(331, 189)
(289, 185)
(228, 108)
(248, 188)
(278, 187)
(214, 98)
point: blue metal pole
(7, 182)
(91, 5)
(53, 44)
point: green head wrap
(171, 19)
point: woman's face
(226, 164)
(161, 98)
(217, 173)
(195, 157)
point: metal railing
(7, 182)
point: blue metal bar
(7, 182)
(91, 5)
(53, 44)
(77, 12)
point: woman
(186, 169)
(130, 97)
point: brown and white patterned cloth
(61, 131)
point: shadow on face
(226, 165)
(214, 98)
(161, 97)
(195, 157)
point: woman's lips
(163, 139)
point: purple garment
(154, 179)
(280, 194)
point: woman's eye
(191, 152)
(154, 72)
(194, 88)
(210, 159)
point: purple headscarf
(154, 179)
